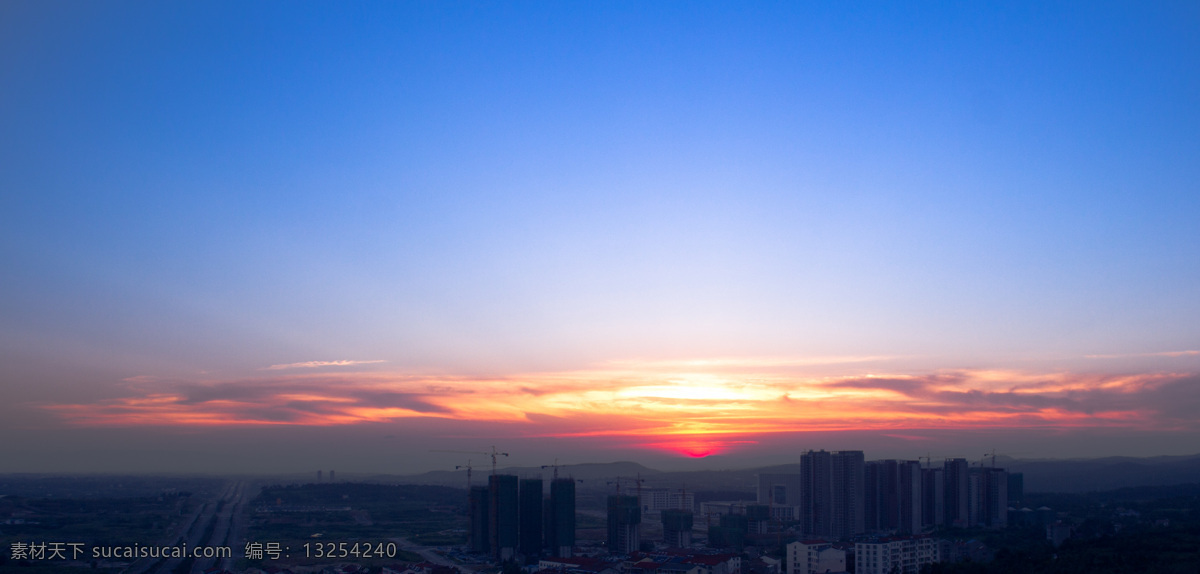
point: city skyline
(274, 237)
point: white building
(814, 557)
(905, 553)
(657, 499)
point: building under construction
(503, 524)
(677, 528)
(624, 524)
(531, 518)
(510, 519)
(560, 521)
(479, 509)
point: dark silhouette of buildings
(894, 496)
(511, 519)
(836, 496)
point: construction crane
(991, 454)
(492, 454)
(554, 466)
(468, 467)
(639, 480)
(928, 460)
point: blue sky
(196, 192)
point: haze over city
(277, 237)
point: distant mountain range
(599, 472)
(1041, 475)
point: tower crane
(468, 467)
(492, 454)
(554, 466)
(639, 480)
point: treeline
(1151, 551)
(1154, 529)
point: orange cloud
(319, 364)
(695, 408)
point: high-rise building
(503, 513)
(873, 479)
(480, 507)
(933, 497)
(560, 531)
(909, 497)
(530, 538)
(816, 493)
(974, 497)
(832, 502)
(889, 496)
(955, 471)
(677, 528)
(624, 524)
(848, 516)
(894, 496)
(987, 497)
(1016, 487)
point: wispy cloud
(299, 400)
(1136, 355)
(318, 364)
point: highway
(219, 521)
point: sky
(280, 236)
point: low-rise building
(814, 557)
(716, 563)
(579, 565)
(903, 554)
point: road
(217, 522)
(430, 555)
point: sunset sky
(281, 236)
